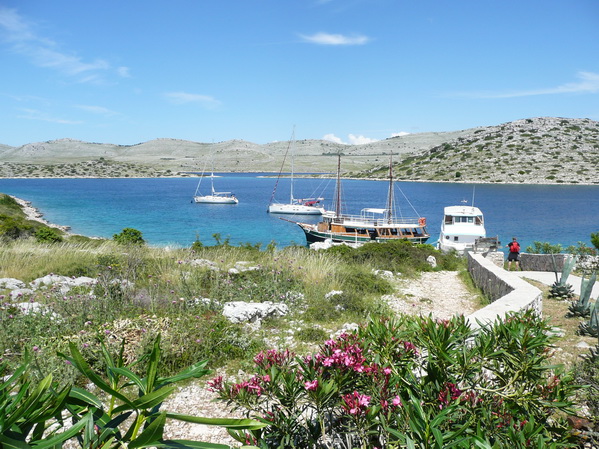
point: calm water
(163, 211)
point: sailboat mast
(338, 189)
(292, 158)
(390, 194)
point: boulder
(11, 283)
(49, 279)
(241, 311)
(432, 261)
(21, 293)
(28, 308)
(204, 263)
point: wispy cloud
(41, 51)
(185, 97)
(34, 114)
(99, 110)
(335, 39)
(587, 83)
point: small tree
(129, 236)
(48, 235)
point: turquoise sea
(162, 209)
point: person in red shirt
(514, 255)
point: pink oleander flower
(355, 403)
(311, 385)
(215, 384)
(387, 370)
(397, 401)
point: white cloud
(44, 52)
(588, 83)
(33, 114)
(335, 39)
(400, 134)
(332, 138)
(184, 98)
(352, 138)
(360, 140)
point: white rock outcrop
(242, 312)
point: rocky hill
(536, 150)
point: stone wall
(542, 262)
(506, 291)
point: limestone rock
(11, 283)
(241, 311)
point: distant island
(542, 150)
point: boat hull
(295, 209)
(210, 199)
(314, 236)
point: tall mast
(338, 189)
(390, 194)
(292, 157)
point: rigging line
(201, 177)
(408, 201)
(272, 197)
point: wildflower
(36, 348)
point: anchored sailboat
(372, 225)
(295, 206)
(214, 197)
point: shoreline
(299, 175)
(33, 213)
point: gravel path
(440, 293)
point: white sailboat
(295, 206)
(214, 197)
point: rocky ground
(440, 294)
(541, 150)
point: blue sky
(352, 71)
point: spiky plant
(561, 292)
(591, 327)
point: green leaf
(148, 401)
(196, 370)
(151, 434)
(64, 436)
(79, 362)
(229, 423)
(124, 371)
(86, 397)
(152, 371)
(10, 443)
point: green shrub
(129, 236)
(48, 235)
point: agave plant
(591, 327)
(582, 307)
(562, 292)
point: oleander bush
(411, 382)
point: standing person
(514, 254)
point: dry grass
(568, 350)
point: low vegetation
(394, 382)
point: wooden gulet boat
(372, 225)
